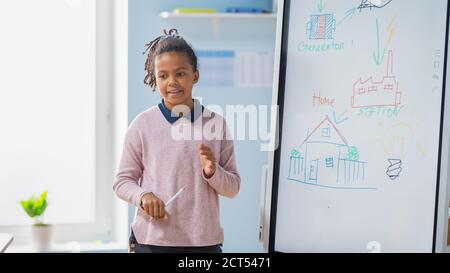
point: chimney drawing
(390, 64)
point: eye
(162, 76)
(181, 74)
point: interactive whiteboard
(361, 92)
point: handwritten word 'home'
(319, 100)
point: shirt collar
(193, 115)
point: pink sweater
(153, 161)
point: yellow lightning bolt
(421, 151)
(391, 30)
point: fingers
(204, 149)
(209, 157)
(146, 208)
(162, 210)
(155, 213)
(153, 206)
(146, 203)
(158, 209)
(208, 161)
(206, 153)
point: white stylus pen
(175, 196)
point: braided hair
(171, 41)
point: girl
(157, 166)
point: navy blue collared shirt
(172, 119)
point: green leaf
(35, 207)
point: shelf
(217, 18)
(173, 15)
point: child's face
(175, 78)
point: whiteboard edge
(444, 189)
(274, 119)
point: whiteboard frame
(271, 193)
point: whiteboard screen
(361, 91)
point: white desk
(5, 241)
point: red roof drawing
(342, 138)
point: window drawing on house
(377, 93)
(326, 159)
(321, 27)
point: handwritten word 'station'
(380, 111)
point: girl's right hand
(153, 206)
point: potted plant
(40, 232)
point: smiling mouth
(176, 92)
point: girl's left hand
(207, 160)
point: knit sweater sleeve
(226, 180)
(127, 182)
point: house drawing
(325, 159)
(321, 26)
(377, 93)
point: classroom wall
(239, 216)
